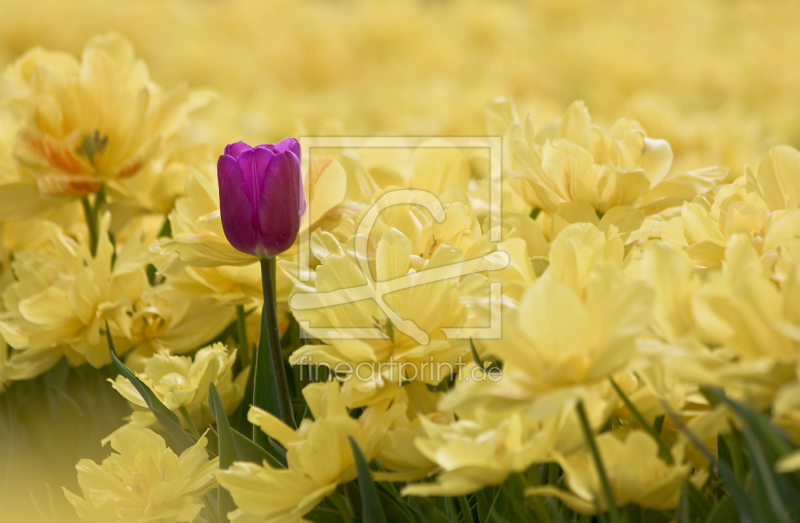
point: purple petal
(235, 149)
(302, 202)
(254, 164)
(288, 144)
(236, 209)
(281, 205)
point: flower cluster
(587, 342)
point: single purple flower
(261, 196)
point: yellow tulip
(144, 480)
(64, 296)
(636, 474)
(318, 455)
(182, 383)
(88, 122)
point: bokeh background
(718, 79)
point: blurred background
(718, 79)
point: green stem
(91, 222)
(735, 452)
(274, 341)
(189, 422)
(666, 454)
(465, 510)
(341, 505)
(244, 355)
(613, 511)
(658, 424)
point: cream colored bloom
(318, 454)
(752, 321)
(573, 169)
(576, 325)
(182, 383)
(64, 296)
(484, 446)
(24, 365)
(166, 319)
(636, 473)
(88, 122)
(764, 207)
(144, 481)
(404, 341)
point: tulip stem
(274, 341)
(91, 223)
(241, 330)
(91, 212)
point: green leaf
(247, 450)
(227, 448)
(321, 515)
(398, 509)
(211, 506)
(466, 511)
(482, 505)
(179, 439)
(698, 503)
(738, 493)
(682, 510)
(372, 511)
(475, 356)
(265, 390)
(777, 442)
(426, 510)
(724, 512)
(663, 450)
(766, 482)
(613, 511)
(239, 419)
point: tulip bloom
(261, 196)
(261, 204)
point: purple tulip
(261, 196)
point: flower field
(415, 261)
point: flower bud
(261, 196)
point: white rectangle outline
(374, 142)
(360, 142)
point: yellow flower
(398, 452)
(751, 320)
(24, 365)
(144, 481)
(181, 383)
(573, 169)
(674, 281)
(573, 327)
(165, 319)
(318, 454)
(64, 296)
(82, 124)
(636, 474)
(484, 446)
(398, 330)
(764, 207)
